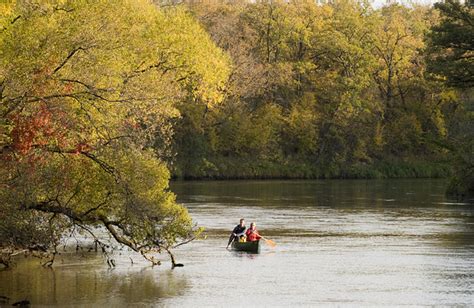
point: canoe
(253, 247)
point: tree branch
(69, 56)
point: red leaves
(68, 88)
(40, 131)
(82, 147)
(36, 128)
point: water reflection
(69, 282)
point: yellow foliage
(86, 88)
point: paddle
(231, 241)
(227, 247)
(228, 244)
(269, 242)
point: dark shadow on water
(243, 254)
(251, 255)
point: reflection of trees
(463, 233)
(95, 284)
(337, 193)
(411, 209)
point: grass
(240, 168)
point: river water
(344, 243)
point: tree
(452, 44)
(86, 90)
(328, 86)
(411, 103)
(451, 59)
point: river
(350, 242)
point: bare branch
(99, 205)
(69, 56)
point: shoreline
(266, 170)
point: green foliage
(461, 149)
(87, 88)
(317, 91)
(452, 44)
(450, 59)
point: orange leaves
(34, 129)
(40, 131)
(82, 147)
(68, 88)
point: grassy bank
(238, 168)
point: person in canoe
(252, 233)
(238, 232)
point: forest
(103, 102)
(330, 91)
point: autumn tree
(317, 90)
(88, 92)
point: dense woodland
(321, 91)
(103, 102)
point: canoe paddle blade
(270, 243)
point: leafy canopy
(86, 87)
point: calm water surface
(345, 243)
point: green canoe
(253, 247)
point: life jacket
(252, 235)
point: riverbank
(245, 168)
